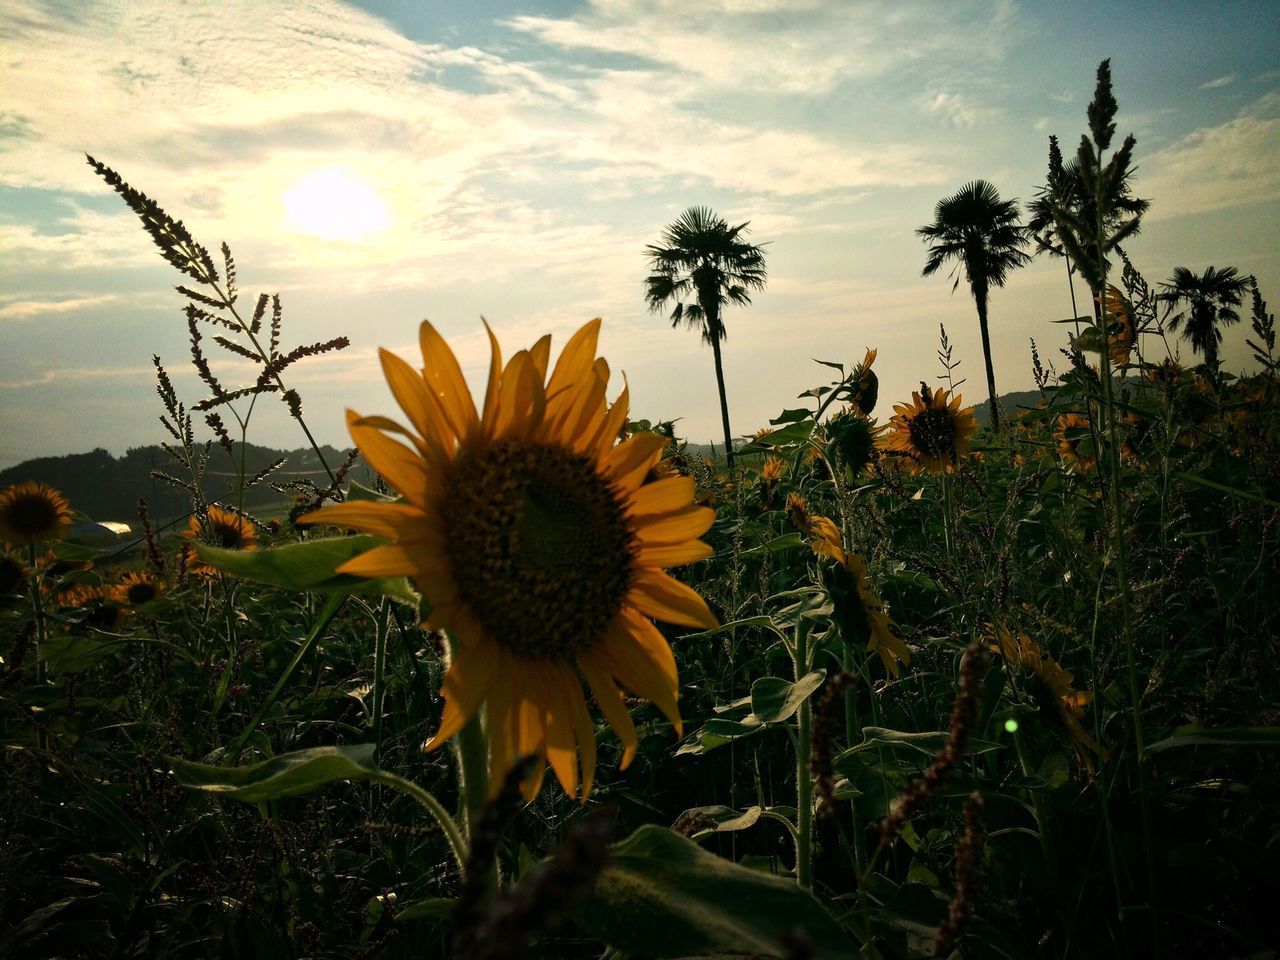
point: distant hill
(1011, 404)
(104, 487)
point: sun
(334, 205)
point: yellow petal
(650, 639)
(399, 466)
(541, 354)
(576, 359)
(417, 401)
(629, 462)
(392, 560)
(634, 670)
(495, 374)
(465, 687)
(444, 376)
(615, 711)
(662, 496)
(391, 521)
(562, 748)
(673, 554)
(607, 434)
(665, 598)
(686, 524)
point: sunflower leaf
(1222, 737)
(664, 896)
(928, 742)
(774, 700)
(309, 565)
(284, 776)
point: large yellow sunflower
(1051, 689)
(539, 544)
(137, 587)
(32, 511)
(222, 528)
(1075, 442)
(933, 431)
(1122, 337)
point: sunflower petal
(444, 376)
(574, 363)
(666, 555)
(399, 465)
(465, 687)
(615, 711)
(495, 374)
(392, 521)
(686, 524)
(392, 560)
(629, 462)
(622, 658)
(663, 496)
(417, 401)
(665, 598)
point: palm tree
(702, 264)
(981, 233)
(1211, 299)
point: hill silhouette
(104, 487)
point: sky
(382, 162)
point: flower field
(876, 680)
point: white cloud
(1229, 165)
(25, 309)
(1220, 82)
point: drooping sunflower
(858, 610)
(32, 511)
(866, 385)
(1075, 442)
(538, 544)
(855, 441)
(1122, 337)
(770, 474)
(1051, 688)
(223, 528)
(137, 587)
(933, 431)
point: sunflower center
(227, 536)
(933, 433)
(539, 546)
(140, 593)
(32, 516)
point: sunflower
(854, 441)
(770, 473)
(33, 511)
(538, 544)
(1051, 688)
(137, 588)
(1075, 441)
(858, 610)
(1122, 337)
(932, 432)
(222, 528)
(865, 384)
(13, 573)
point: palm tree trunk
(981, 297)
(724, 402)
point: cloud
(1214, 168)
(63, 375)
(1220, 82)
(25, 309)
(956, 110)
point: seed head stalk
(1120, 547)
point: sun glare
(334, 205)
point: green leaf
(433, 908)
(309, 565)
(788, 541)
(284, 776)
(1223, 737)
(797, 415)
(717, 731)
(774, 700)
(664, 896)
(727, 820)
(928, 742)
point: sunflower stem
(804, 781)
(381, 629)
(37, 609)
(448, 826)
(948, 515)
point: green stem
(804, 781)
(948, 516)
(323, 619)
(37, 609)
(379, 670)
(448, 826)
